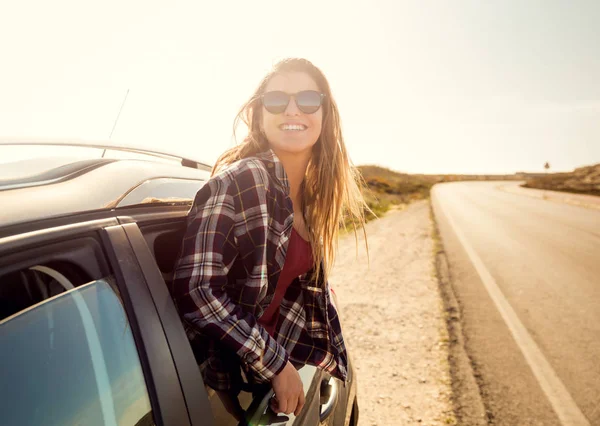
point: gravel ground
(393, 321)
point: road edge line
(468, 405)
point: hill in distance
(583, 180)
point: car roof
(186, 159)
(94, 184)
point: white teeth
(296, 127)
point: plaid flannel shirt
(233, 251)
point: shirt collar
(275, 167)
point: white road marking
(561, 400)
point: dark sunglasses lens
(309, 101)
(275, 102)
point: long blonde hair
(332, 185)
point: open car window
(68, 355)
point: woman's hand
(289, 391)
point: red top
(298, 261)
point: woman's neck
(295, 165)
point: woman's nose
(292, 108)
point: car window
(71, 359)
(163, 190)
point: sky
(422, 86)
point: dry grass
(584, 180)
(386, 188)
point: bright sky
(422, 86)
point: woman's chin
(291, 146)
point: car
(89, 334)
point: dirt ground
(393, 321)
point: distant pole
(546, 168)
(116, 120)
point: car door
(81, 340)
(165, 230)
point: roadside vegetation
(386, 188)
(584, 180)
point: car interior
(25, 288)
(164, 240)
(31, 277)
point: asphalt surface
(526, 274)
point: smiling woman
(251, 280)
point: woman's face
(275, 126)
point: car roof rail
(184, 160)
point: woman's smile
(292, 127)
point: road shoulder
(394, 322)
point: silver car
(89, 334)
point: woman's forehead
(291, 82)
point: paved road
(526, 272)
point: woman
(251, 280)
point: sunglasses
(307, 101)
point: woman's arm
(229, 219)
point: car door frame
(185, 363)
(162, 377)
